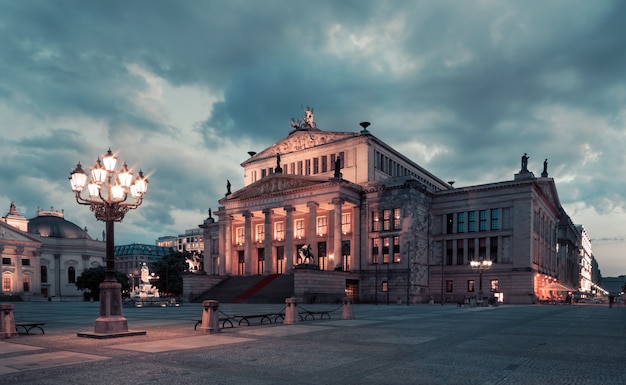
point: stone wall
(316, 286)
(196, 284)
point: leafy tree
(170, 272)
(91, 279)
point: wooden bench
(26, 327)
(223, 320)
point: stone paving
(383, 344)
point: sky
(184, 89)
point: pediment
(9, 234)
(301, 140)
(276, 184)
(549, 189)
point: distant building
(130, 259)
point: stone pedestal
(291, 312)
(346, 311)
(7, 321)
(210, 317)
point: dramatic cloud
(185, 89)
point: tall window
(71, 274)
(6, 284)
(449, 286)
(460, 222)
(396, 249)
(459, 252)
(322, 226)
(449, 252)
(279, 231)
(495, 223)
(300, 168)
(396, 218)
(494, 284)
(26, 284)
(44, 274)
(239, 236)
(386, 219)
(375, 250)
(316, 165)
(324, 163)
(260, 233)
(471, 221)
(449, 223)
(385, 286)
(346, 223)
(493, 249)
(471, 250)
(482, 220)
(307, 167)
(375, 221)
(482, 248)
(386, 250)
(470, 285)
(299, 225)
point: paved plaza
(383, 344)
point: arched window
(44, 274)
(71, 274)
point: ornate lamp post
(109, 199)
(480, 266)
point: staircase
(251, 289)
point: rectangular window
(482, 220)
(293, 168)
(482, 249)
(375, 250)
(386, 250)
(300, 168)
(346, 223)
(279, 231)
(386, 219)
(449, 252)
(26, 284)
(375, 221)
(460, 252)
(396, 218)
(307, 167)
(6, 284)
(396, 249)
(471, 221)
(449, 223)
(385, 286)
(263, 173)
(470, 285)
(449, 286)
(324, 163)
(471, 250)
(239, 239)
(494, 284)
(493, 249)
(260, 233)
(460, 222)
(322, 226)
(6, 261)
(316, 165)
(25, 262)
(299, 225)
(495, 222)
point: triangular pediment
(276, 184)
(9, 234)
(301, 140)
(549, 189)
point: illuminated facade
(388, 225)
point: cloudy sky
(184, 89)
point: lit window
(385, 287)
(239, 236)
(299, 225)
(494, 284)
(346, 225)
(375, 250)
(396, 218)
(279, 231)
(322, 226)
(375, 221)
(386, 219)
(470, 285)
(386, 250)
(396, 249)
(260, 233)
(6, 284)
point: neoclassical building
(43, 256)
(381, 228)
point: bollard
(346, 311)
(290, 311)
(210, 317)
(7, 321)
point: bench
(26, 327)
(261, 317)
(223, 321)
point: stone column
(247, 242)
(289, 252)
(312, 224)
(270, 260)
(226, 249)
(291, 313)
(210, 317)
(57, 276)
(338, 258)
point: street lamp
(480, 266)
(109, 199)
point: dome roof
(55, 226)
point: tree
(91, 279)
(170, 272)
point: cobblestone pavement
(383, 344)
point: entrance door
(261, 260)
(241, 263)
(280, 259)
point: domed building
(43, 256)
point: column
(226, 247)
(57, 276)
(270, 259)
(310, 239)
(289, 253)
(338, 258)
(247, 242)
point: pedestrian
(611, 300)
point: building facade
(395, 231)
